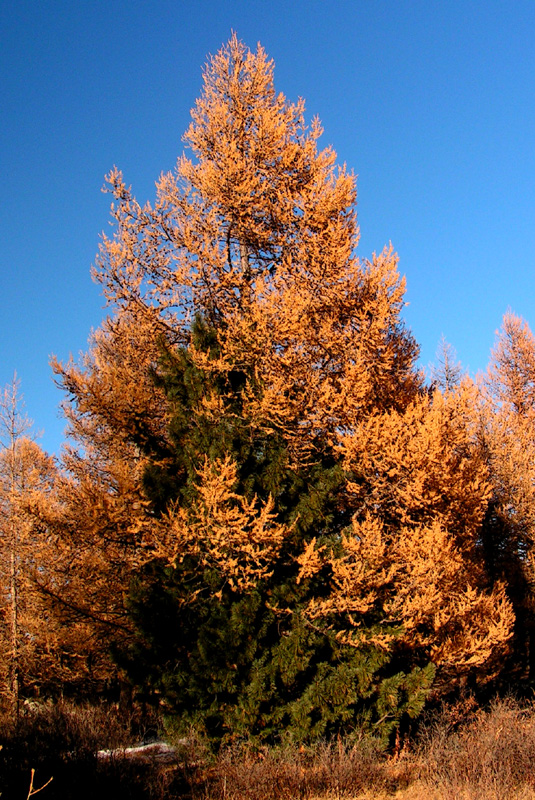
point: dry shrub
(289, 772)
(490, 757)
(462, 754)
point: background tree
(98, 499)
(13, 427)
(24, 469)
(447, 371)
(507, 434)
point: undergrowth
(460, 753)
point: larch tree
(97, 499)
(257, 235)
(447, 371)
(412, 558)
(507, 433)
(258, 466)
(14, 426)
(24, 469)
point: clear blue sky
(432, 103)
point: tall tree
(250, 425)
(257, 237)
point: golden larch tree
(254, 237)
(507, 413)
(27, 631)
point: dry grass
(490, 757)
(329, 769)
(61, 741)
(461, 754)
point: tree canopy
(265, 515)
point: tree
(14, 426)
(98, 496)
(257, 455)
(257, 235)
(24, 469)
(412, 557)
(447, 372)
(507, 412)
(233, 649)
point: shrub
(490, 757)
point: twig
(33, 791)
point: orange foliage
(507, 418)
(256, 234)
(239, 538)
(412, 558)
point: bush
(489, 757)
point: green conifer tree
(249, 663)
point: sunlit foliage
(264, 512)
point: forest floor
(460, 753)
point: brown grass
(462, 753)
(490, 757)
(329, 769)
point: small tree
(24, 469)
(14, 424)
(446, 372)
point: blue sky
(431, 103)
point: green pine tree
(250, 664)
